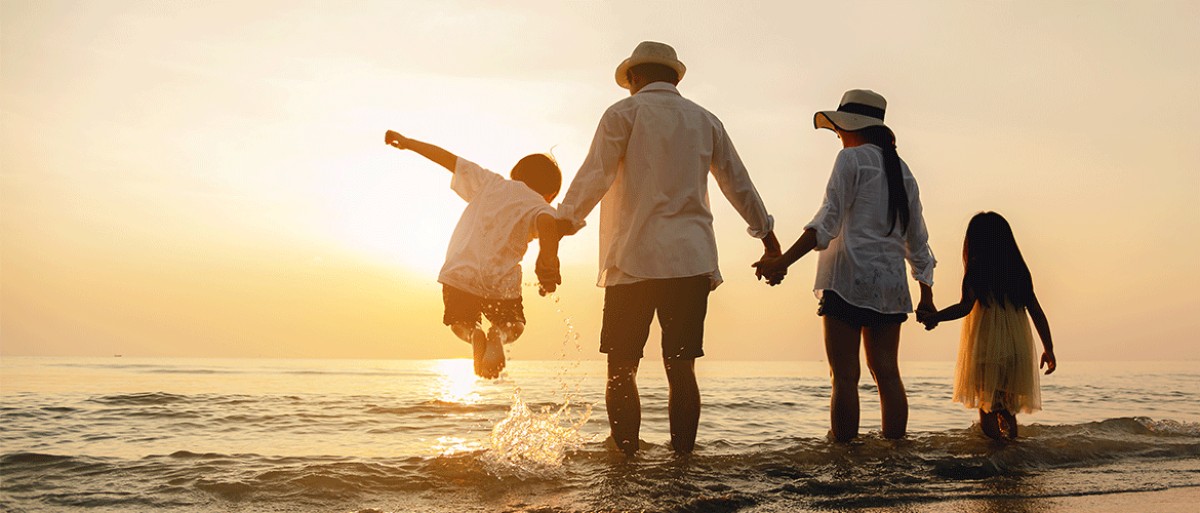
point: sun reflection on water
(456, 381)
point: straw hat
(650, 52)
(860, 108)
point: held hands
(548, 275)
(393, 138)
(1048, 362)
(771, 267)
(927, 315)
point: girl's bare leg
(1010, 421)
(989, 422)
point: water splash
(527, 442)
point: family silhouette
(648, 168)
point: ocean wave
(1093, 457)
(140, 399)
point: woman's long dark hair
(995, 270)
(883, 137)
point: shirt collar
(660, 86)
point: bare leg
(841, 349)
(989, 422)
(683, 403)
(493, 356)
(1010, 421)
(623, 404)
(882, 344)
(473, 334)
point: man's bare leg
(683, 404)
(624, 405)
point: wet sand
(1174, 500)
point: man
(648, 168)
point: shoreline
(1169, 500)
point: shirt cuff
(567, 213)
(823, 237)
(760, 233)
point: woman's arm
(823, 228)
(1043, 328)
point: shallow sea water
(126, 434)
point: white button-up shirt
(484, 257)
(650, 161)
(858, 259)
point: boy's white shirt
(484, 257)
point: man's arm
(596, 174)
(432, 152)
(734, 180)
(547, 266)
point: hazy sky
(209, 178)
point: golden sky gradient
(209, 178)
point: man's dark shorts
(681, 304)
(834, 306)
(463, 307)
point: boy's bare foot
(493, 356)
(479, 348)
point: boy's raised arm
(432, 152)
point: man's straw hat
(649, 52)
(860, 108)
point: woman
(869, 223)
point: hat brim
(623, 68)
(837, 120)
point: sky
(208, 179)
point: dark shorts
(463, 307)
(834, 306)
(681, 304)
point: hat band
(861, 109)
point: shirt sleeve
(734, 180)
(469, 179)
(598, 171)
(838, 196)
(537, 212)
(919, 254)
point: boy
(482, 273)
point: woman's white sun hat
(860, 108)
(649, 52)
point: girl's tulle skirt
(997, 361)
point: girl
(996, 370)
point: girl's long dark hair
(995, 270)
(883, 137)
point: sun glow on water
(456, 381)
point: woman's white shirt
(859, 259)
